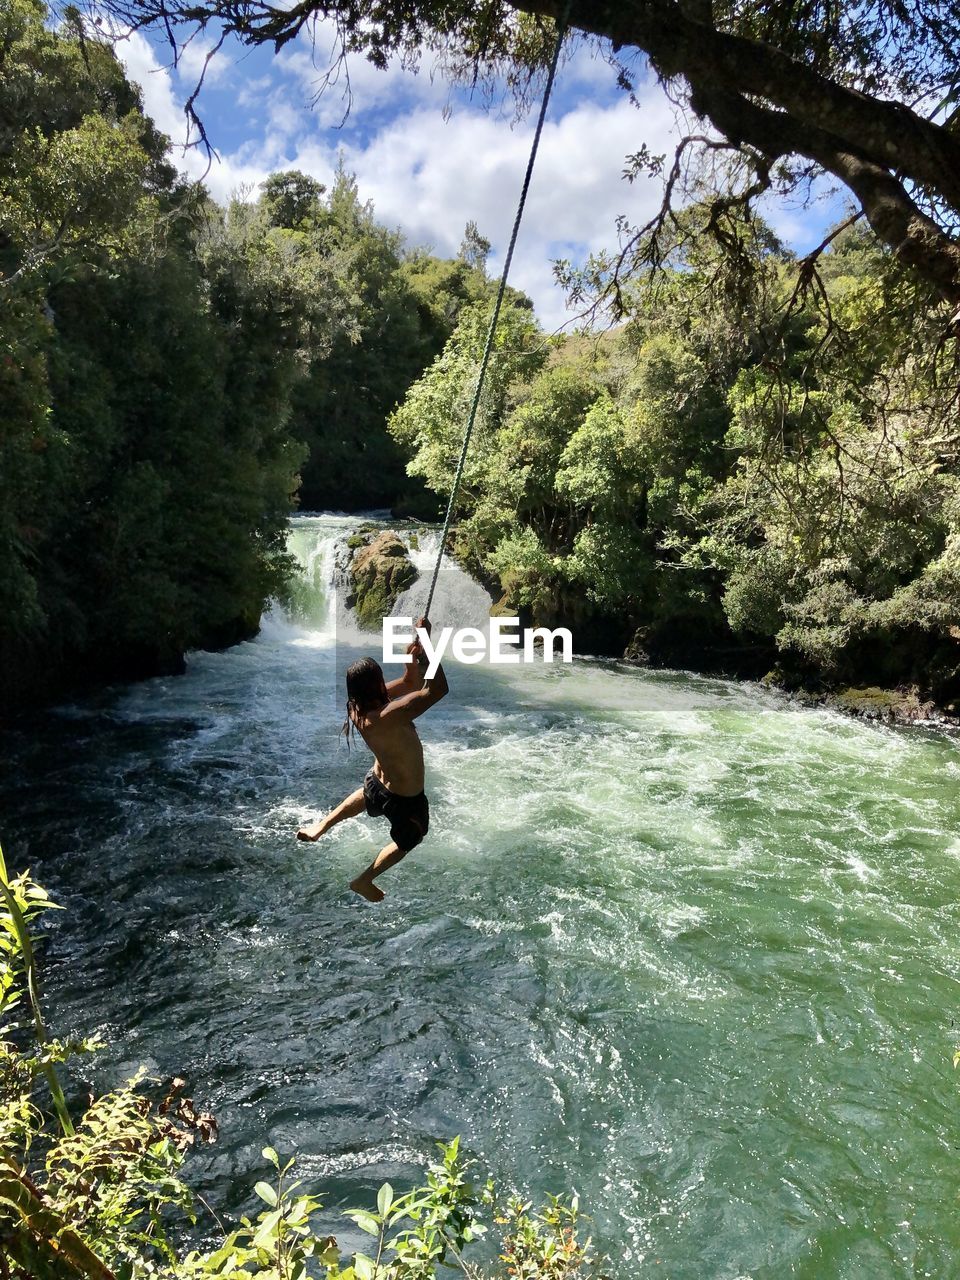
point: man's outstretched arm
(411, 705)
(418, 700)
(412, 679)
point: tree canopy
(172, 372)
(672, 490)
(759, 467)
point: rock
(637, 649)
(380, 572)
(891, 706)
(870, 702)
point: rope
(491, 332)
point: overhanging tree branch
(893, 215)
(875, 147)
(678, 45)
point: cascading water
(672, 942)
(313, 543)
(457, 602)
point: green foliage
(167, 368)
(79, 162)
(835, 524)
(75, 1201)
(147, 360)
(432, 418)
(727, 480)
(401, 308)
(380, 570)
(278, 1245)
(544, 1245)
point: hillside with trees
(759, 471)
(169, 370)
(754, 471)
(738, 478)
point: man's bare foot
(312, 831)
(366, 889)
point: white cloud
(193, 63)
(429, 173)
(357, 86)
(431, 176)
(164, 104)
(156, 84)
(252, 91)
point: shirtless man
(383, 715)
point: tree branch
(889, 132)
(913, 236)
(858, 138)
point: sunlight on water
(672, 942)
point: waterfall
(458, 601)
(316, 611)
(309, 614)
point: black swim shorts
(409, 816)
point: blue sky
(431, 157)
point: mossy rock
(503, 608)
(638, 648)
(873, 703)
(380, 572)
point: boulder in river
(380, 572)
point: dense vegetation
(756, 470)
(102, 1197)
(759, 469)
(167, 366)
(744, 475)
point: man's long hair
(366, 691)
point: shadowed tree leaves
(145, 469)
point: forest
(175, 376)
(742, 476)
(753, 471)
(750, 469)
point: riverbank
(871, 703)
(887, 706)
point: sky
(432, 158)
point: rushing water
(672, 942)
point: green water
(672, 942)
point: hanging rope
(491, 332)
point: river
(673, 942)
